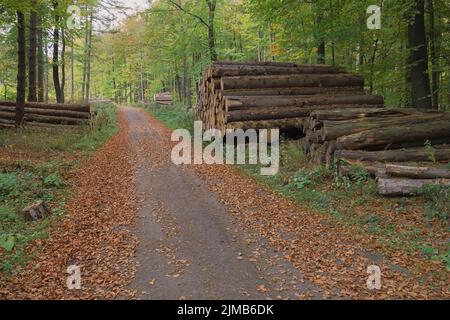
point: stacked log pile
(275, 95)
(379, 140)
(338, 122)
(42, 114)
(164, 98)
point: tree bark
(418, 59)
(56, 82)
(289, 81)
(211, 32)
(32, 66)
(40, 63)
(414, 134)
(21, 69)
(405, 186)
(439, 154)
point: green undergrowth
(36, 164)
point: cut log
(56, 106)
(439, 153)
(259, 70)
(405, 186)
(293, 91)
(281, 124)
(36, 211)
(416, 172)
(332, 130)
(45, 119)
(245, 102)
(268, 113)
(50, 112)
(414, 135)
(288, 81)
(348, 114)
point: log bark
(440, 154)
(260, 70)
(348, 114)
(416, 172)
(413, 135)
(45, 119)
(281, 124)
(288, 81)
(268, 113)
(332, 130)
(293, 91)
(405, 186)
(36, 211)
(246, 102)
(56, 106)
(51, 112)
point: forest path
(189, 246)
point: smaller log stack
(45, 114)
(379, 140)
(244, 95)
(164, 98)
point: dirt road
(189, 246)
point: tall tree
(418, 57)
(55, 66)
(40, 62)
(21, 69)
(32, 53)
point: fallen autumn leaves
(95, 235)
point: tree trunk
(63, 64)
(72, 84)
(32, 66)
(88, 57)
(21, 69)
(418, 59)
(40, 63)
(211, 35)
(433, 35)
(57, 84)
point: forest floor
(141, 228)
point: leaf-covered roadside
(38, 164)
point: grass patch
(36, 165)
(174, 117)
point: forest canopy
(102, 53)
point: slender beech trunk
(433, 35)
(63, 64)
(56, 82)
(21, 69)
(32, 96)
(40, 63)
(72, 85)
(89, 49)
(211, 33)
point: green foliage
(431, 151)
(300, 180)
(438, 202)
